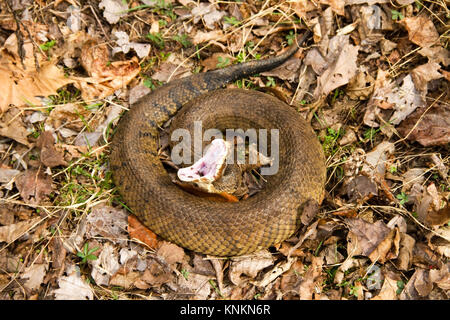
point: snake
(199, 224)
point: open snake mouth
(210, 167)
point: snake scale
(199, 224)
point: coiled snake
(217, 228)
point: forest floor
(373, 81)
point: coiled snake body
(216, 228)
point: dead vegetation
(373, 83)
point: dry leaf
(11, 126)
(50, 157)
(113, 10)
(421, 30)
(35, 276)
(429, 129)
(12, 232)
(375, 161)
(311, 279)
(34, 186)
(138, 231)
(249, 266)
(105, 76)
(196, 284)
(364, 237)
(388, 290)
(155, 275)
(168, 70)
(342, 65)
(171, 253)
(73, 287)
(108, 222)
(124, 45)
(105, 266)
(423, 74)
(21, 86)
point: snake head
(210, 167)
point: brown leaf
(382, 252)
(35, 276)
(249, 266)
(217, 59)
(11, 126)
(34, 186)
(423, 74)
(50, 157)
(405, 253)
(367, 236)
(107, 222)
(12, 232)
(155, 275)
(429, 129)
(171, 253)
(361, 188)
(342, 66)
(138, 231)
(106, 265)
(105, 76)
(21, 86)
(287, 71)
(168, 71)
(388, 290)
(311, 278)
(421, 30)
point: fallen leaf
(249, 266)
(205, 36)
(6, 175)
(405, 254)
(388, 290)
(168, 70)
(311, 279)
(124, 45)
(436, 54)
(105, 266)
(441, 277)
(108, 222)
(287, 71)
(341, 60)
(196, 285)
(208, 13)
(113, 10)
(34, 186)
(105, 76)
(421, 30)
(424, 73)
(361, 188)
(73, 287)
(34, 276)
(126, 281)
(138, 231)
(364, 237)
(50, 157)
(429, 129)
(216, 59)
(155, 275)
(11, 126)
(23, 85)
(375, 160)
(405, 99)
(171, 253)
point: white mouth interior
(209, 167)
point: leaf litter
(373, 82)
